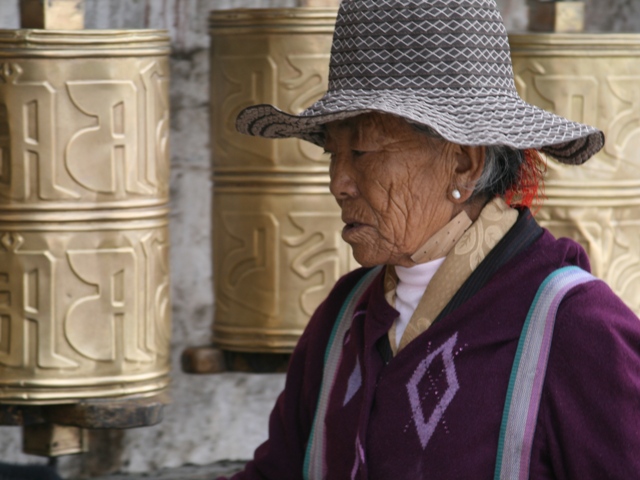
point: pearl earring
(456, 194)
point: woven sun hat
(444, 64)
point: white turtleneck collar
(412, 283)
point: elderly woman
(473, 344)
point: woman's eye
(354, 153)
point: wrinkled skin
(394, 185)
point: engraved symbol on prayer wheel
(277, 249)
(84, 180)
(593, 79)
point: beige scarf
(465, 245)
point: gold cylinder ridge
(277, 249)
(84, 182)
(593, 79)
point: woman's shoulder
(590, 405)
(561, 252)
(323, 319)
(592, 313)
(348, 281)
(588, 303)
(345, 284)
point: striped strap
(314, 466)
(527, 374)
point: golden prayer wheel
(277, 249)
(84, 181)
(593, 79)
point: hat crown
(420, 44)
(444, 64)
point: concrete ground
(209, 472)
(43, 472)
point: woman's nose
(342, 182)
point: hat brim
(479, 117)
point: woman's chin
(365, 257)
(368, 246)
(367, 264)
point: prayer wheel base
(54, 430)
(52, 440)
(211, 360)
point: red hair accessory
(528, 189)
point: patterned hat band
(445, 64)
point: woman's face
(393, 185)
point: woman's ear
(468, 169)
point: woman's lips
(351, 228)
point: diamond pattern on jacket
(354, 383)
(424, 428)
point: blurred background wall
(222, 417)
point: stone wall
(224, 416)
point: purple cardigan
(407, 420)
